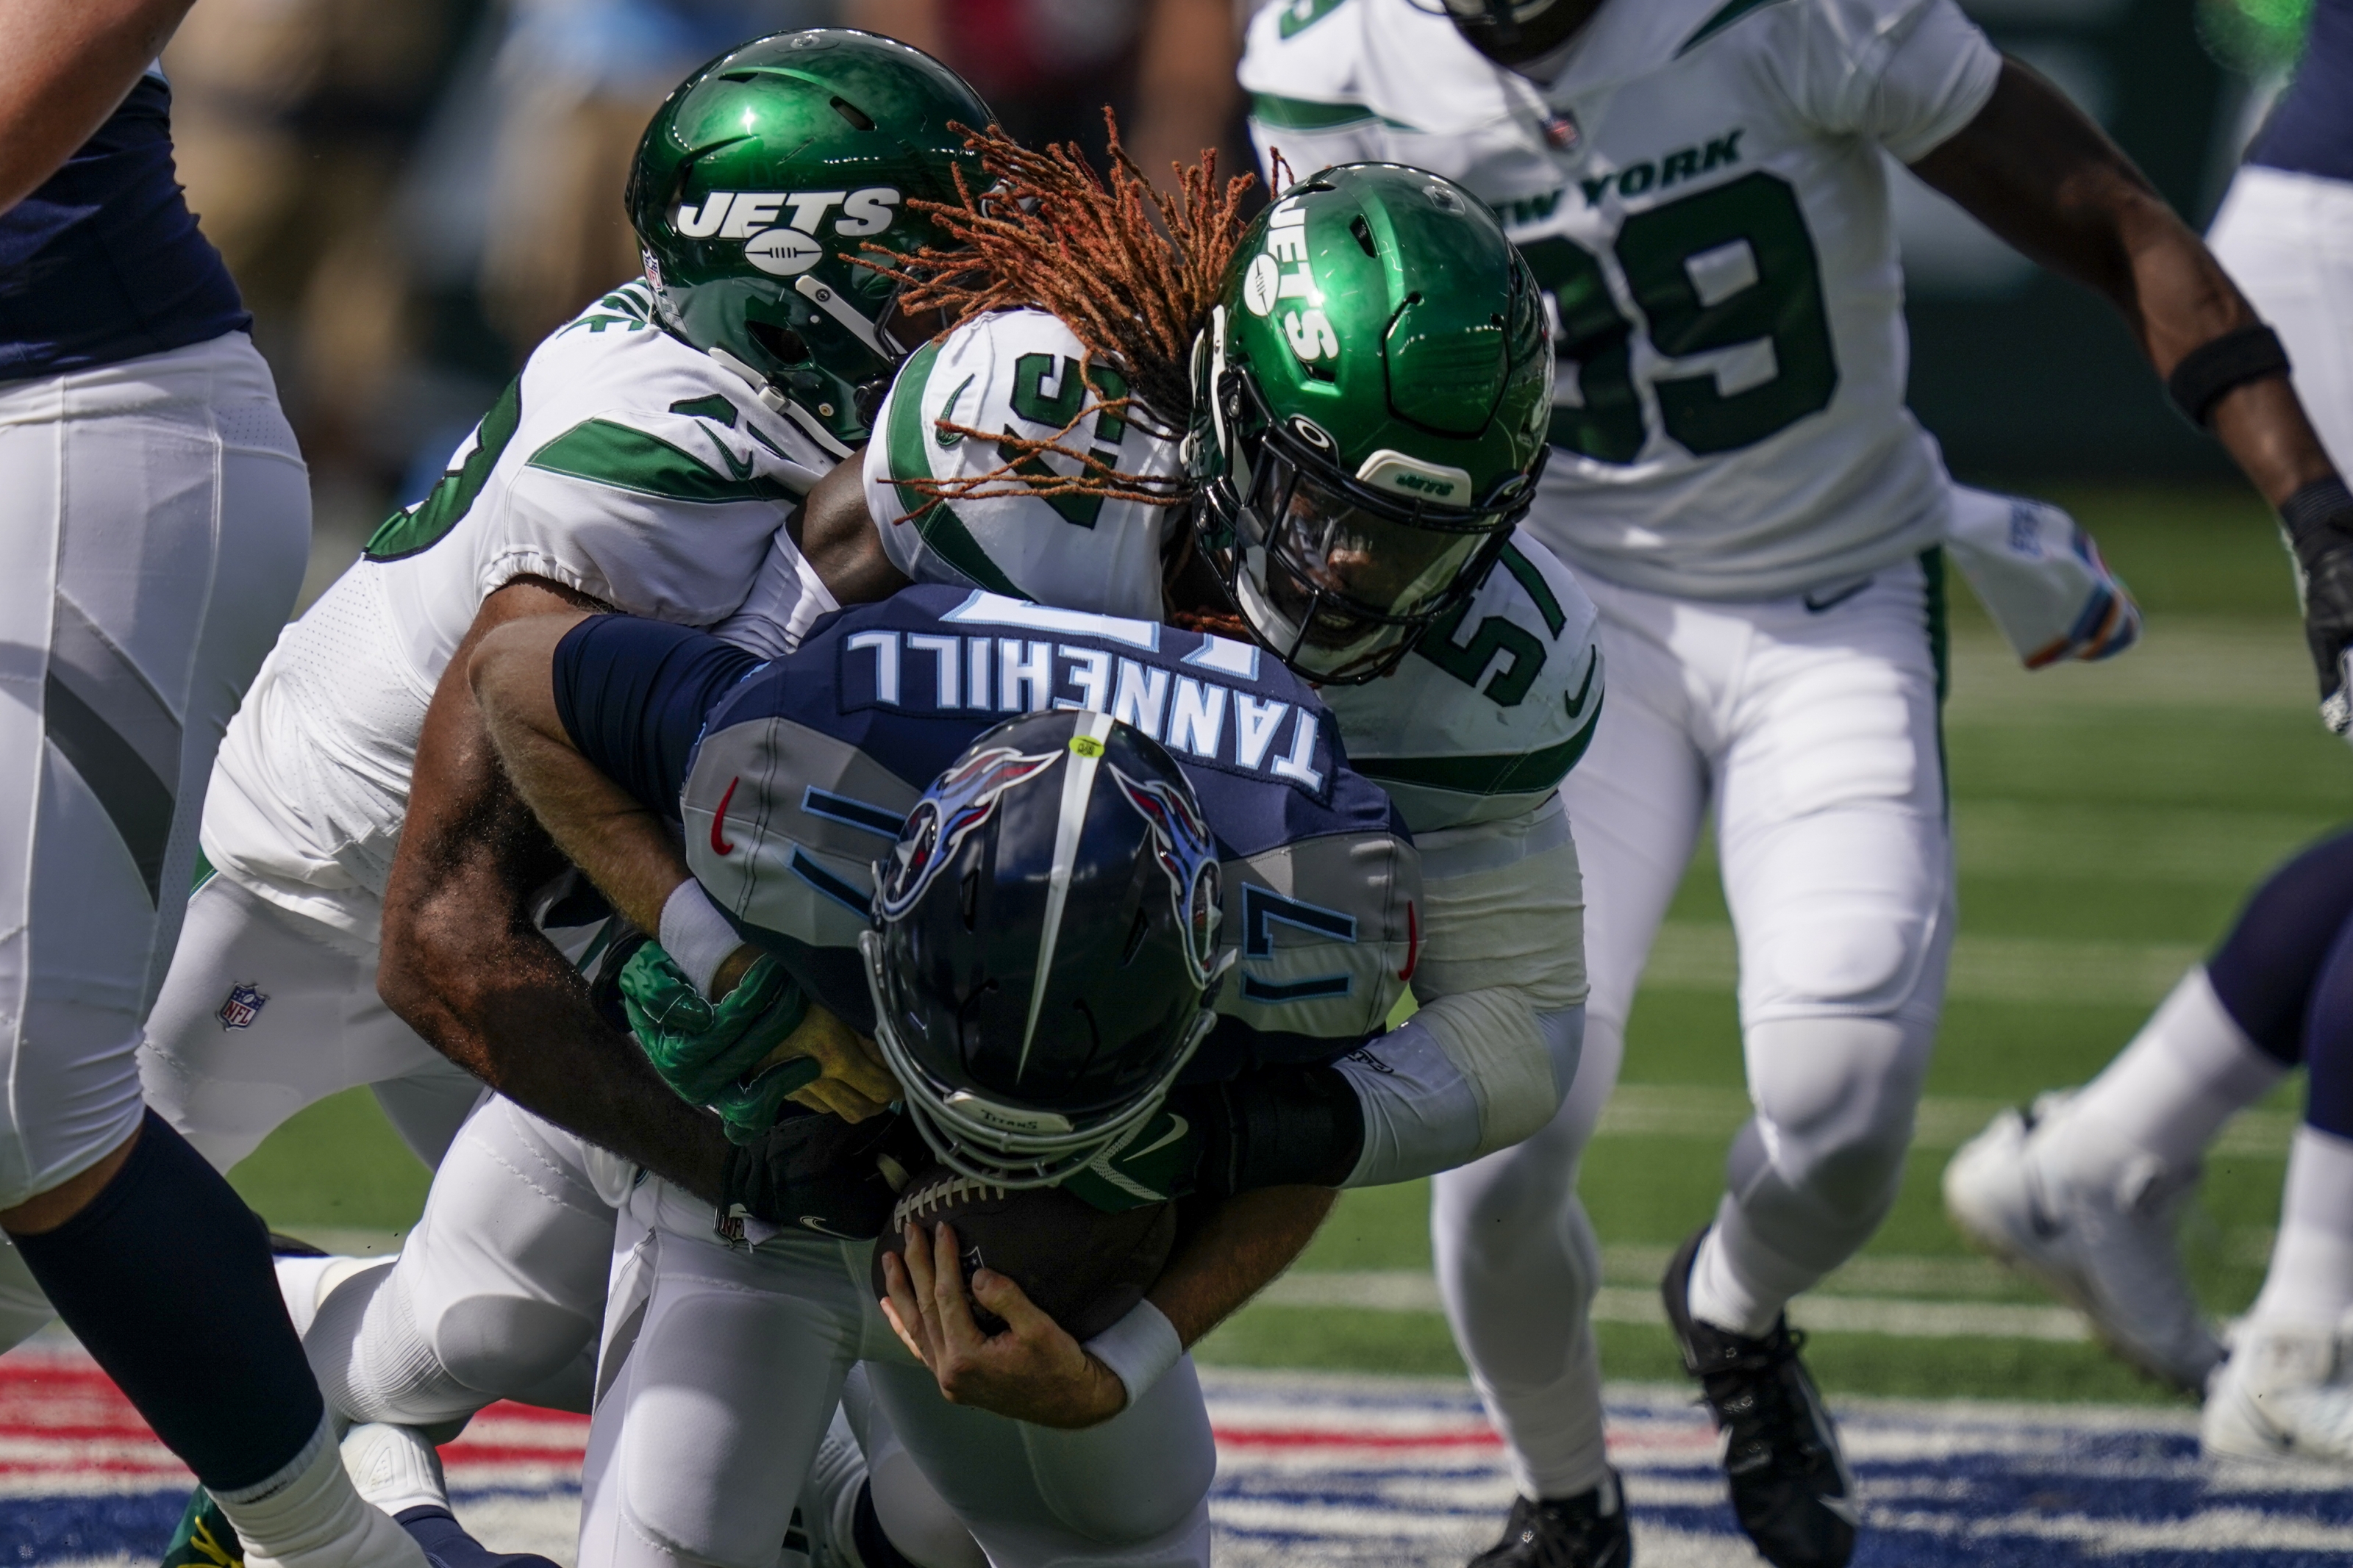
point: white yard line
(1410, 1291)
(1678, 1110)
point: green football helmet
(1371, 399)
(757, 183)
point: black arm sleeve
(633, 695)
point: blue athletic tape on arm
(633, 695)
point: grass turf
(2129, 803)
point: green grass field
(2109, 818)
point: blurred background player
(2084, 1190)
(1738, 483)
(1049, 66)
(157, 523)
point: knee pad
(503, 1345)
(1835, 1099)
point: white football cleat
(2108, 1252)
(2284, 1393)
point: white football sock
(308, 1515)
(2165, 1095)
(2310, 1282)
(394, 1467)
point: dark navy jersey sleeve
(633, 695)
(807, 769)
(2311, 131)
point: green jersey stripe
(622, 459)
(1538, 590)
(1306, 114)
(934, 519)
(1730, 12)
(422, 526)
(1529, 773)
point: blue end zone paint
(1322, 1472)
(50, 1530)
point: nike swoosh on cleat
(1844, 1508)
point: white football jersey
(1480, 723)
(622, 463)
(1701, 189)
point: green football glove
(709, 1052)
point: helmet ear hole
(787, 345)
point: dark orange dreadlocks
(1132, 274)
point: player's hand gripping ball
(1081, 1267)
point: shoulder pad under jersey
(1019, 371)
(1494, 706)
(806, 770)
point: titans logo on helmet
(965, 797)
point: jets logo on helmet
(1043, 959)
(757, 187)
(1370, 401)
(964, 798)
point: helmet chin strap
(776, 401)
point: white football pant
(265, 1011)
(157, 522)
(721, 1368)
(1809, 726)
(497, 1294)
(2287, 241)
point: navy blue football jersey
(803, 769)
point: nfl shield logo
(243, 1006)
(1561, 132)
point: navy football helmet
(1044, 955)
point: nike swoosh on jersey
(1815, 604)
(719, 842)
(947, 440)
(736, 470)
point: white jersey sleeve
(1016, 372)
(1905, 75)
(621, 463)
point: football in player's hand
(1081, 1267)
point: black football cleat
(1790, 1488)
(1589, 1531)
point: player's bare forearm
(464, 966)
(1186, 94)
(1234, 1252)
(840, 539)
(2034, 169)
(67, 64)
(622, 847)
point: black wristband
(1277, 1127)
(2223, 364)
(2316, 506)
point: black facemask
(1492, 27)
